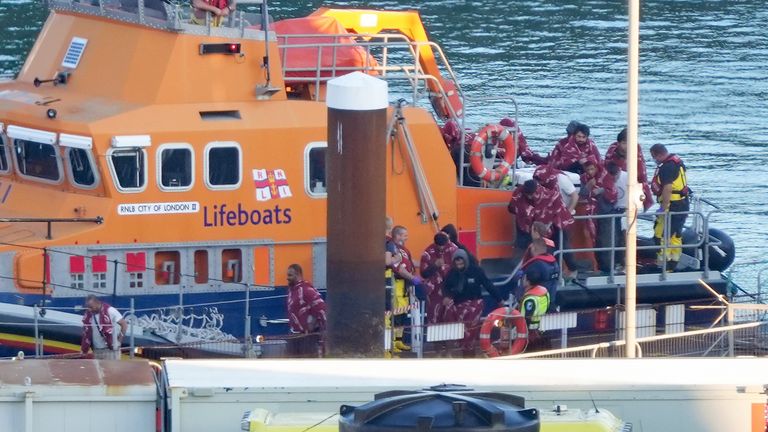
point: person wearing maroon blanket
(523, 151)
(571, 154)
(306, 308)
(617, 153)
(598, 190)
(435, 264)
(463, 291)
(532, 202)
(552, 178)
(569, 131)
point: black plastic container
(441, 408)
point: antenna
(266, 90)
(593, 402)
(265, 27)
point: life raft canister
(485, 146)
(442, 106)
(504, 318)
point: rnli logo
(271, 184)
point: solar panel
(74, 52)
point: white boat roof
(284, 375)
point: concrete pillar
(356, 185)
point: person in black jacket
(453, 234)
(463, 291)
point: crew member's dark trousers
(603, 240)
(568, 258)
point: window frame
(113, 173)
(159, 167)
(70, 170)
(307, 186)
(56, 152)
(206, 164)
(4, 139)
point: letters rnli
(221, 215)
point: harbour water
(703, 88)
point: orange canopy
(302, 61)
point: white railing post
(730, 332)
(132, 322)
(632, 186)
(36, 312)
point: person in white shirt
(621, 180)
(568, 191)
(103, 330)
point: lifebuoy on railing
(442, 106)
(505, 319)
(486, 145)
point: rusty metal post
(356, 185)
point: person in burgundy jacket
(434, 265)
(306, 308)
(598, 190)
(617, 153)
(570, 155)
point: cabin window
(314, 170)
(201, 266)
(81, 167)
(4, 167)
(223, 166)
(38, 160)
(167, 267)
(176, 166)
(129, 169)
(232, 265)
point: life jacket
(389, 272)
(406, 263)
(535, 304)
(680, 189)
(104, 328)
(551, 274)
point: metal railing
(703, 329)
(748, 339)
(389, 56)
(167, 15)
(704, 241)
(739, 294)
(392, 57)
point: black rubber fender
(720, 256)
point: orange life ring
(483, 137)
(439, 103)
(504, 317)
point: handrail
(617, 343)
(176, 16)
(50, 221)
(703, 241)
(411, 71)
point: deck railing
(168, 15)
(747, 339)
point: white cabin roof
(480, 374)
